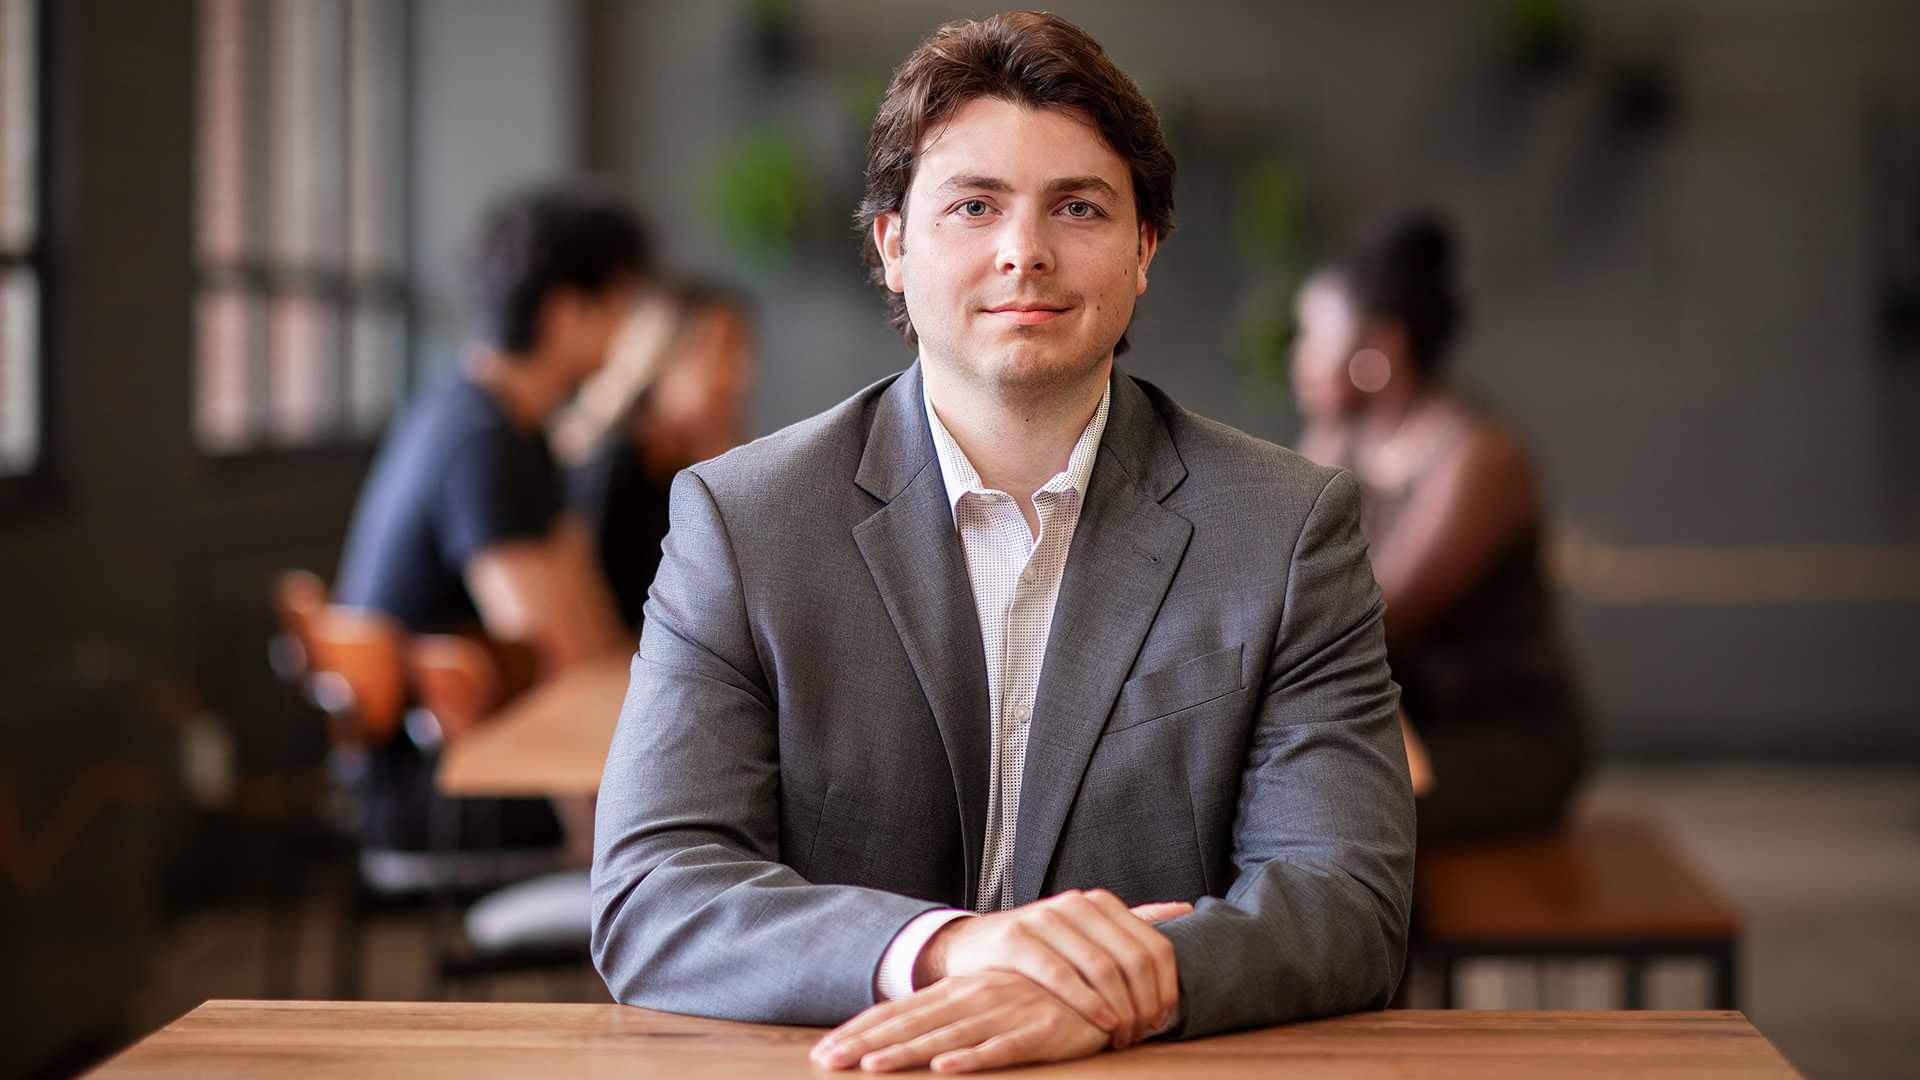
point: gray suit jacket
(802, 766)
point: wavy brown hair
(1029, 58)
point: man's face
(1329, 334)
(694, 408)
(1020, 252)
(578, 327)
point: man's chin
(1024, 373)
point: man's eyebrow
(1091, 184)
(972, 182)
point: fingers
(1165, 971)
(972, 1029)
(1076, 932)
(1143, 955)
(998, 1052)
(957, 1013)
(1157, 913)
(1041, 1035)
(859, 1030)
(963, 1022)
(1072, 969)
(1086, 948)
(911, 1020)
(1028, 941)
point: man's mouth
(1027, 314)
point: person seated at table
(673, 394)
(1452, 516)
(1007, 711)
(460, 524)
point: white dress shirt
(1016, 580)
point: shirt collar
(961, 478)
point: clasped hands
(1059, 978)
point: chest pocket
(1160, 693)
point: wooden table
(481, 1041)
(552, 740)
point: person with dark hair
(1008, 711)
(460, 523)
(1450, 509)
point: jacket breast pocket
(1170, 690)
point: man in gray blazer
(1008, 777)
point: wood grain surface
(483, 1041)
(552, 740)
(1606, 879)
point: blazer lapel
(912, 550)
(1125, 550)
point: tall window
(20, 408)
(301, 320)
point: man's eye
(1080, 209)
(973, 208)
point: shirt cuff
(894, 979)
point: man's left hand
(962, 1023)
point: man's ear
(1149, 243)
(559, 311)
(887, 229)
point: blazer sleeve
(1315, 922)
(692, 909)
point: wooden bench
(1609, 887)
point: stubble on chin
(1029, 372)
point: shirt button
(1022, 713)
(1027, 576)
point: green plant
(758, 195)
(1267, 218)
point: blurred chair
(364, 671)
(462, 679)
(538, 923)
(298, 596)
(458, 682)
(541, 922)
(355, 657)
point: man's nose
(1026, 246)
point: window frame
(262, 276)
(36, 488)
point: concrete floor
(1825, 862)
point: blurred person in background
(1452, 516)
(672, 395)
(460, 526)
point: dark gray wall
(95, 566)
(496, 104)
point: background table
(552, 740)
(1598, 887)
(479, 1041)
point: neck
(1015, 439)
(530, 387)
(1388, 409)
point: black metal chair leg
(1636, 988)
(1726, 966)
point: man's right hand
(1088, 949)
